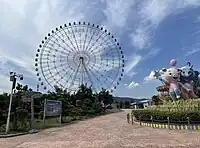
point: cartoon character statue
(189, 78)
(171, 77)
(189, 74)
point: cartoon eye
(170, 74)
(183, 71)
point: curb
(194, 127)
(13, 135)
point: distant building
(141, 104)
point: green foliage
(82, 103)
(122, 104)
(162, 115)
(156, 100)
(180, 105)
(127, 104)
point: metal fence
(193, 108)
(152, 121)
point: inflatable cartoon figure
(189, 78)
(189, 74)
(171, 77)
(183, 82)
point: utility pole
(13, 79)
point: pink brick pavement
(109, 131)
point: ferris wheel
(79, 53)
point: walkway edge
(195, 127)
(13, 135)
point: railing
(169, 122)
(192, 108)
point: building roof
(141, 102)
(162, 88)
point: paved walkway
(109, 131)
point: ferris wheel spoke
(74, 77)
(58, 45)
(70, 40)
(107, 64)
(94, 32)
(105, 52)
(79, 39)
(62, 62)
(48, 63)
(89, 77)
(97, 39)
(94, 47)
(57, 73)
(48, 68)
(109, 44)
(99, 48)
(73, 34)
(65, 43)
(49, 53)
(85, 39)
(95, 75)
(97, 71)
(54, 49)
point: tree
(83, 102)
(126, 104)
(121, 104)
(156, 100)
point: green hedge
(161, 116)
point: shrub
(161, 116)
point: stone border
(194, 127)
(13, 135)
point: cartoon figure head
(187, 71)
(171, 74)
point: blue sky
(151, 33)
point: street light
(13, 79)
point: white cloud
(5, 84)
(140, 38)
(150, 77)
(151, 14)
(191, 50)
(133, 85)
(153, 52)
(198, 19)
(133, 61)
(117, 14)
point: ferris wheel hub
(81, 58)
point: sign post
(44, 112)
(29, 97)
(52, 108)
(33, 130)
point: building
(141, 104)
(163, 91)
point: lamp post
(13, 79)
